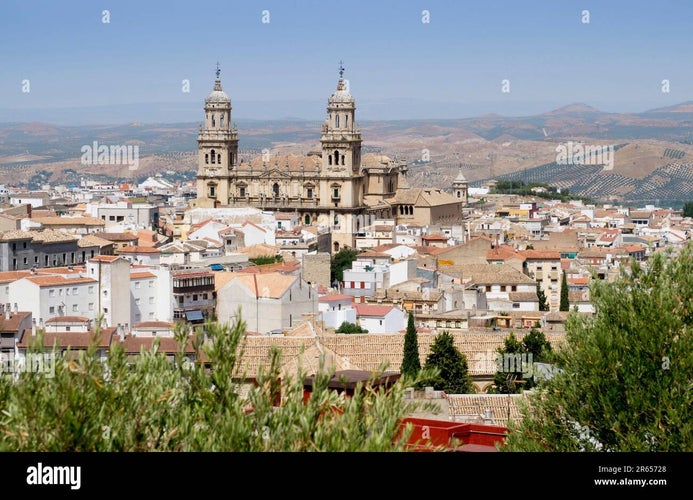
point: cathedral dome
(341, 94)
(217, 95)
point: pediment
(275, 173)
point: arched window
(336, 157)
(335, 246)
(214, 121)
(342, 159)
(336, 121)
(214, 156)
(275, 189)
(459, 195)
(219, 159)
(206, 157)
(306, 220)
(346, 121)
(329, 160)
(221, 121)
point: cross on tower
(218, 70)
(341, 69)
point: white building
(113, 274)
(267, 302)
(335, 309)
(55, 295)
(380, 318)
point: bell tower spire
(217, 144)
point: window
(194, 297)
(90, 289)
(151, 300)
(137, 301)
(151, 284)
(212, 192)
(67, 291)
(516, 305)
(51, 292)
(309, 193)
(75, 307)
(204, 296)
(241, 192)
(25, 261)
(75, 291)
(51, 309)
(137, 284)
(381, 322)
(91, 306)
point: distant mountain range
(652, 162)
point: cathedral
(333, 186)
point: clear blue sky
(456, 61)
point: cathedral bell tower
(341, 139)
(217, 145)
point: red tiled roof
(67, 319)
(335, 297)
(372, 310)
(104, 258)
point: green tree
(511, 375)
(411, 364)
(565, 303)
(624, 375)
(347, 327)
(449, 365)
(688, 209)
(543, 304)
(340, 261)
(535, 343)
(150, 403)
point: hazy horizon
(81, 63)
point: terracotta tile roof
(141, 275)
(372, 310)
(137, 249)
(504, 252)
(67, 319)
(69, 221)
(468, 406)
(335, 297)
(12, 324)
(58, 280)
(153, 324)
(118, 236)
(541, 255)
(91, 240)
(104, 258)
(268, 285)
(435, 237)
(10, 276)
(38, 236)
(74, 340)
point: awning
(194, 315)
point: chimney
(33, 327)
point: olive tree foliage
(625, 374)
(149, 403)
